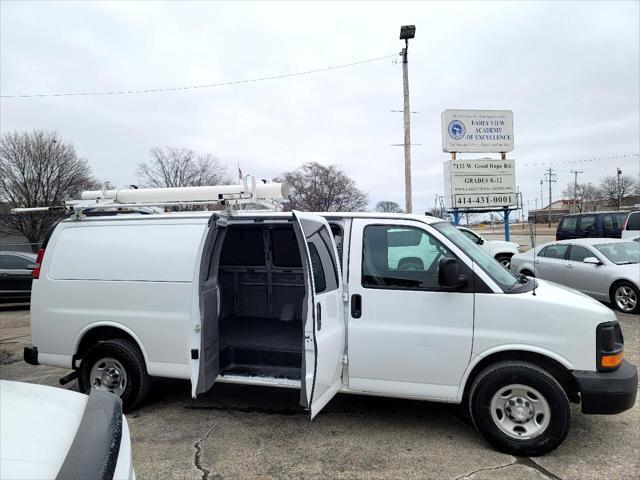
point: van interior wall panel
(262, 290)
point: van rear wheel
(520, 408)
(116, 366)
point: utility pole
(550, 177)
(541, 195)
(407, 32)
(575, 189)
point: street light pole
(619, 189)
(407, 32)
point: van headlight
(609, 346)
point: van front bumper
(608, 392)
(31, 355)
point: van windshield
(503, 277)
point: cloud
(569, 71)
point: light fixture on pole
(407, 32)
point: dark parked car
(595, 224)
(16, 270)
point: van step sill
(260, 381)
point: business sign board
(477, 131)
(474, 184)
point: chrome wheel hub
(626, 298)
(109, 374)
(520, 411)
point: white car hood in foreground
(37, 426)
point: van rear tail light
(36, 268)
(609, 346)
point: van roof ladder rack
(153, 200)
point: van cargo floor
(261, 347)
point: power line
(210, 85)
(570, 162)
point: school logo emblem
(456, 129)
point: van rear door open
(324, 329)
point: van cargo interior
(262, 291)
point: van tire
(126, 354)
(527, 273)
(547, 419)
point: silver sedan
(604, 268)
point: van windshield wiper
(522, 280)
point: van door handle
(319, 316)
(356, 306)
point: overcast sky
(569, 71)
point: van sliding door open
(204, 335)
(323, 317)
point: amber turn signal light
(611, 361)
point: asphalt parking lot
(249, 432)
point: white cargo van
(324, 303)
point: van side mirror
(592, 261)
(480, 240)
(449, 276)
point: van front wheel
(520, 408)
(116, 366)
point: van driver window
(401, 257)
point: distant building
(558, 209)
(566, 206)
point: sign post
(485, 184)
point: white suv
(631, 227)
(500, 250)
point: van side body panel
(550, 331)
(133, 275)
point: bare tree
(437, 212)
(387, 206)
(38, 169)
(589, 197)
(586, 195)
(181, 167)
(614, 190)
(319, 188)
